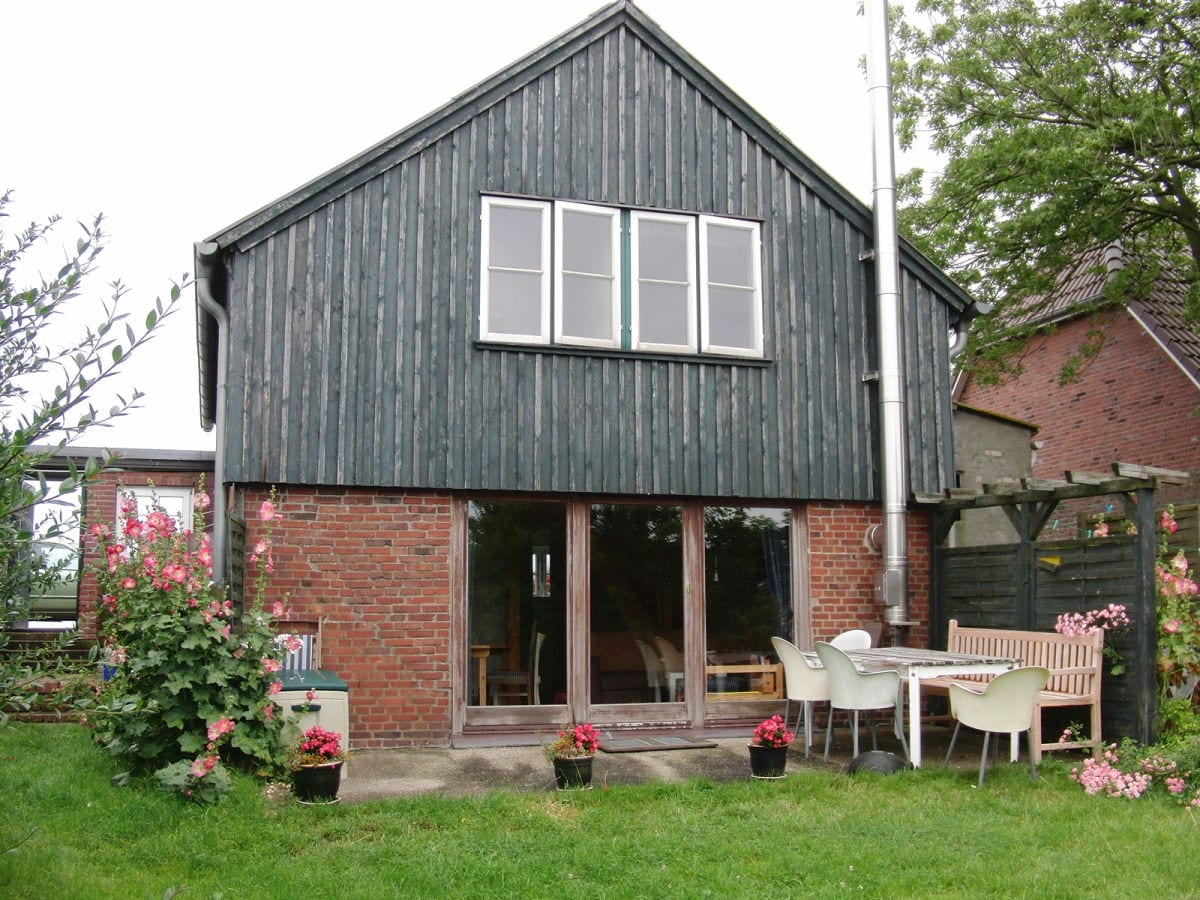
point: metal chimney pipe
(893, 586)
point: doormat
(636, 745)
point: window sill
(599, 353)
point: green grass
(817, 833)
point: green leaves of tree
(1065, 127)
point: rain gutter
(207, 264)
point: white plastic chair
(1006, 705)
(853, 690)
(655, 676)
(854, 639)
(804, 683)
(672, 659)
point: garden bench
(1075, 663)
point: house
(1135, 401)
(989, 449)
(169, 478)
(567, 393)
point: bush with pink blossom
(1129, 771)
(191, 680)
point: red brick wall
(843, 571)
(101, 507)
(1131, 404)
(373, 569)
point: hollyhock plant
(192, 679)
(1178, 617)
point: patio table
(915, 665)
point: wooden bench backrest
(1075, 661)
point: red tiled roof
(1162, 312)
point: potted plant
(769, 748)
(572, 753)
(317, 766)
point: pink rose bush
(193, 673)
(1131, 771)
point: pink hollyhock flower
(133, 528)
(271, 665)
(128, 505)
(277, 608)
(269, 711)
(267, 511)
(1168, 522)
(226, 631)
(129, 584)
(1172, 626)
(220, 727)
(202, 501)
(203, 765)
(274, 688)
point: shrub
(191, 685)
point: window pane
(515, 237)
(662, 250)
(587, 242)
(637, 602)
(514, 303)
(748, 596)
(515, 591)
(587, 307)
(731, 317)
(730, 254)
(663, 313)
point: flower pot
(573, 772)
(767, 762)
(317, 784)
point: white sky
(177, 119)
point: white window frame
(706, 345)
(145, 497)
(543, 335)
(635, 219)
(614, 217)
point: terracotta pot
(317, 784)
(767, 762)
(575, 772)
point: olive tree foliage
(1064, 126)
(51, 367)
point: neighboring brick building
(1136, 401)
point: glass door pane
(748, 599)
(636, 626)
(517, 604)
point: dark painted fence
(1026, 586)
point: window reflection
(636, 602)
(748, 595)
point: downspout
(892, 588)
(206, 260)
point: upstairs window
(576, 274)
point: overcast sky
(178, 119)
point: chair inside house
(804, 684)
(522, 685)
(856, 692)
(655, 674)
(1006, 705)
(854, 639)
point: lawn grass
(816, 833)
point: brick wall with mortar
(842, 571)
(373, 568)
(1131, 404)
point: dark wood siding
(355, 362)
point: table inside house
(915, 665)
(759, 681)
(481, 652)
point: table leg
(482, 680)
(914, 719)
